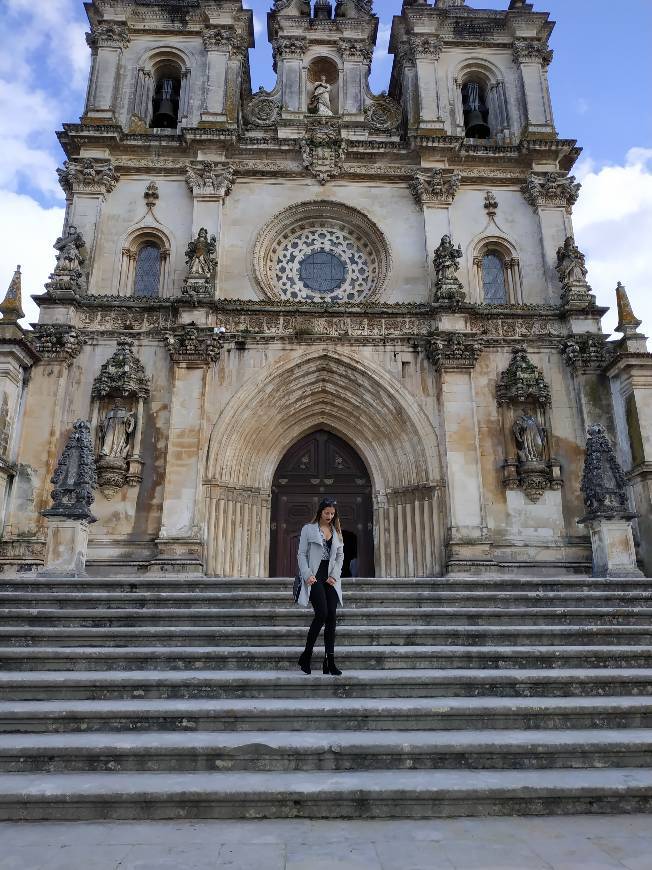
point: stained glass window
(322, 271)
(148, 270)
(493, 279)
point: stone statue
(200, 255)
(445, 260)
(68, 247)
(530, 439)
(571, 264)
(320, 102)
(115, 432)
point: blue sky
(600, 81)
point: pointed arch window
(147, 278)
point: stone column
(454, 356)
(17, 356)
(427, 51)
(193, 353)
(218, 43)
(210, 183)
(69, 516)
(107, 42)
(356, 59)
(407, 70)
(57, 346)
(287, 54)
(434, 191)
(552, 196)
(86, 182)
(533, 59)
(630, 372)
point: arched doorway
(321, 464)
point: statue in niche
(571, 264)
(530, 439)
(320, 102)
(200, 256)
(115, 432)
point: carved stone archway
(366, 407)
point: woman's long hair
(336, 519)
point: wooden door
(319, 465)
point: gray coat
(309, 556)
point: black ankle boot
(330, 667)
(304, 661)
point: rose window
(321, 252)
(325, 263)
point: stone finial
(74, 478)
(151, 194)
(603, 480)
(627, 320)
(448, 287)
(522, 381)
(10, 307)
(123, 374)
(490, 204)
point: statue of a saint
(571, 264)
(320, 102)
(115, 431)
(200, 256)
(68, 247)
(445, 261)
(530, 439)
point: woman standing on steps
(321, 555)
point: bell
(476, 126)
(165, 116)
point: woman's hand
(332, 581)
(311, 580)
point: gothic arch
(150, 62)
(357, 401)
(493, 80)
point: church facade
(262, 297)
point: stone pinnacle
(11, 308)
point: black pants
(324, 600)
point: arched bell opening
(319, 464)
(476, 110)
(167, 94)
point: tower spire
(10, 307)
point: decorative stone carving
(453, 351)
(74, 478)
(524, 400)
(57, 342)
(527, 51)
(435, 186)
(87, 175)
(426, 46)
(552, 189)
(608, 515)
(151, 194)
(490, 204)
(201, 259)
(448, 287)
(323, 151)
(604, 486)
(192, 344)
(225, 39)
(587, 352)
(118, 396)
(68, 276)
(209, 179)
(383, 114)
(352, 50)
(108, 34)
(571, 268)
(262, 110)
(11, 306)
(288, 47)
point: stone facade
(318, 257)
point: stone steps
(323, 794)
(131, 617)
(337, 714)
(174, 697)
(17, 658)
(397, 683)
(366, 635)
(206, 751)
(352, 600)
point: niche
(323, 97)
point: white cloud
(382, 43)
(613, 226)
(258, 26)
(28, 231)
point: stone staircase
(179, 697)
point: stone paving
(533, 843)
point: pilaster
(107, 42)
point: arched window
(147, 278)
(167, 91)
(494, 285)
(476, 111)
